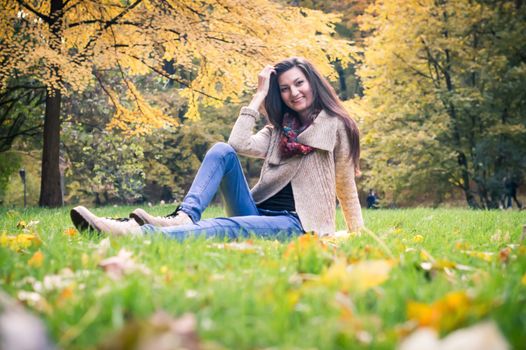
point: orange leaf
(303, 243)
(65, 294)
(443, 314)
(71, 232)
(36, 260)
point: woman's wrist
(257, 100)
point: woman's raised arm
(242, 137)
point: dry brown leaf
(122, 264)
(482, 336)
(160, 332)
(19, 329)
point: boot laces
(174, 214)
(118, 219)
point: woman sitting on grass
(310, 149)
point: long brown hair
(324, 97)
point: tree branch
(45, 18)
(413, 68)
(94, 21)
(171, 76)
(108, 24)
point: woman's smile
(295, 90)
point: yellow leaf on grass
(523, 279)
(418, 239)
(20, 241)
(486, 256)
(443, 314)
(304, 243)
(357, 277)
(461, 245)
(36, 260)
(370, 273)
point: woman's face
(295, 90)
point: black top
(283, 200)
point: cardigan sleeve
(345, 181)
(243, 139)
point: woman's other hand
(263, 86)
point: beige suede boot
(175, 219)
(83, 219)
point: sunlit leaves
(443, 85)
(217, 47)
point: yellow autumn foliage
(220, 47)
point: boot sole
(138, 219)
(81, 223)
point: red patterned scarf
(289, 139)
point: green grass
(267, 298)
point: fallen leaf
(19, 329)
(34, 300)
(159, 332)
(418, 239)
(20, 242)
(71, 232)
(504, 255)
(66, 294)
(443, 314)
(57, 282)
(36, 260)
(486, 256)
(359, 276)
(482, 336)
(245, 247)
(122, 264)
(303, 244)
(461, 245)
(336, 238)
(442, 265)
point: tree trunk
(341, 80)
(50, 190)
(466, 186)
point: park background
(114, 103)
(117, 103)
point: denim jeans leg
(279, 226)
(220, 169)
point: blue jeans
(222, 170)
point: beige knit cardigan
(316, 178)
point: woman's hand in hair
(263, 86)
